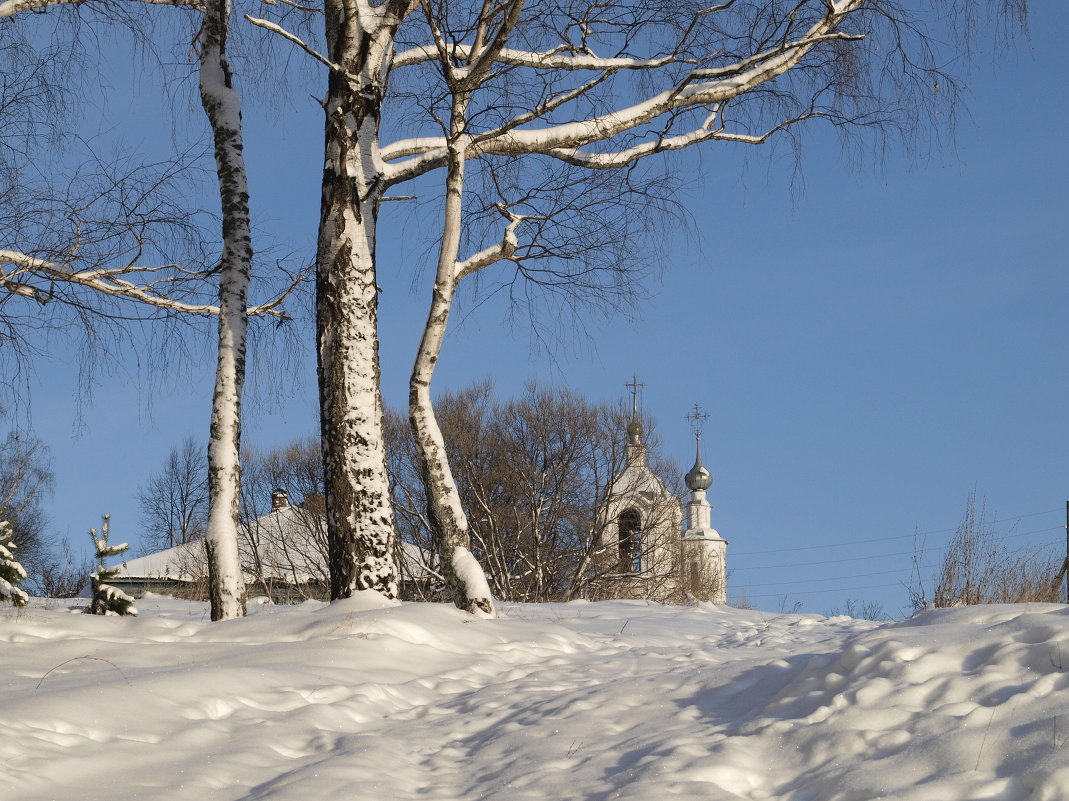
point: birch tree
(464, 577)
(360, 524)
(358, 53)
(573, 218)
(582, 85)
(221, 105)
(100, 260)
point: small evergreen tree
(108, 600)
(11, 572)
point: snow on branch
(704, 133)
(701, 87)
(108, 600)
(109, 282)
(435, 147)
(11, 572)
(9, 8)
(567, 57)
(555, 59)
(494, 253)
(745, 64)
(291, 4)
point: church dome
(698, 478)
(634, 431)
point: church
(640, 539)
(652, 547)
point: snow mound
(957, 704)
(368, 699)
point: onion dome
(634, 431)
(698, 478)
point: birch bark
(360, 524)
(223, 109)
(464, 576)
(464, 579)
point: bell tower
(703, 568)
(640, 524)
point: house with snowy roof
(283, 556)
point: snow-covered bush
(108, 600)
(11, 572)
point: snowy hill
(614, 700)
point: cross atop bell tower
(633, 387)
(636, 448)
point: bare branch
(108, 283)
(291, 4)
(9, 8)
(289, 37)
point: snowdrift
(366, 699)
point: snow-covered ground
(628, 700)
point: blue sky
(871, 345)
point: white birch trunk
(222, 106)
(465, 579)
(360, 524)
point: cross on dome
(697, 420)
(634, 428)
(698, 478)
(634, 388)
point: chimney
(279, 499)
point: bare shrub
(979, 568)
(859, 610)
(742, 602)
(63, 575)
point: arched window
(630, 527)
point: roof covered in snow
(287, 544)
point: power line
(841, 578)
(887, 539)
(821, 592)
(994, 521)
(746, 596)
(869, 587)
(836, 561)
(888, 555)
